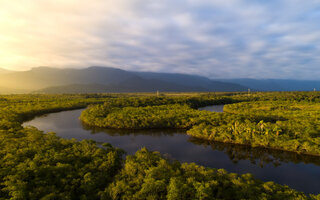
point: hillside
(106, 79)
(132, 85)
(42, 77)
(4, 71)
(193, 81)
(4, 90)
(276, 84)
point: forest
(285, 121)
(38, 165)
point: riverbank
(47, 166)
(269, 124)
(264, 164)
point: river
(300, 172)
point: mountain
(42, 77)
(276, 84)
(106, 79)
(4, 71)
(193, 81)
(133, 85)
(77, 88)
(5, 90)
(150, 85)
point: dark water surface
(298, 171)
(215, 108)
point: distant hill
(76, 88)
(133, 85)
(276, 84)
(4, 71)
(193, 81)
(42, 77)
(4, 90)
(106, 79)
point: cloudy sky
(215, 38)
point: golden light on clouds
(52, 33)
(214, 38)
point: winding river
(297, 171)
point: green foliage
(289, 125)
(286, 121)
(34, 165)
(147, 175)
(165, 116)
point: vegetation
(42, 166)
(287, 125)
(257, 155)
(286, 121)
(164, 116)
(147, 175)
(34, 165)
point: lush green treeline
(42, 166)
(192, 101)
(284, 96)
(287, 125)
(14, 109)
(18, 108)
(257, 155)
(164, 116)
(287, 121)
(147, 175)
(151, 112)
(34, 165)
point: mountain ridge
(276, 84)
(47, 79)
(110, 79)
(5, 71)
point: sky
(213, 38)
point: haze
(217, 39)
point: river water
(298, 171)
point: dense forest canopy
(287, 121)
(37, 165)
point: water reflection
(134, 132)
(257, 155)
(214, 108)
(298, 171)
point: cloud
(218, 39)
